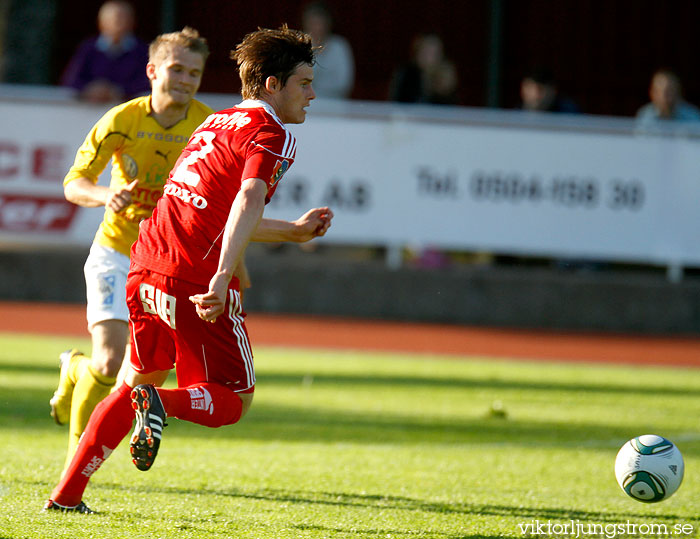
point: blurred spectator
(428, 77)
(667, 104)
(110, 67)
(540, 92)
(334, 74)
(4, 16)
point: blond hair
(188, 38)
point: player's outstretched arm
(244, 217)
(84, 192)
(313, 224)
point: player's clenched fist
(118, 200)
(211, 304)
(314, 223)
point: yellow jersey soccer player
(143, 138)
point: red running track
(321, 332)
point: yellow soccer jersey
(139, 148)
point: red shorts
(166, 332)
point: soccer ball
(649, 468)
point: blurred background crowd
(629, 61)
(589, 57)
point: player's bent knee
(109, 339)
(246, 402)
(107, 365)
(219, 405)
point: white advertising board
(38, 142)
(507, 190)
(399, 179)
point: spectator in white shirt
(667, 104)
(334, 73)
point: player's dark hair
(271, 53)
(187, 38)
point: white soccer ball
(649, 468)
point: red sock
(209, 404)
(108, 425)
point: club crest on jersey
(129, 165)
(280, 168)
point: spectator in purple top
(110, 67)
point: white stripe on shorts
(235, 314)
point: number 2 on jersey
(182, 174)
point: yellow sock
(90, 388)
(72, 368)
(77, 369)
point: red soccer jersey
(182, 239)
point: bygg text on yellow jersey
(139, 148)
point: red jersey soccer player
(184, 302)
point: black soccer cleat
(150, 420)
(80, 508)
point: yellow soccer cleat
(61, 400)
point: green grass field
(363, 445)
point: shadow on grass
(7, 368)
(386, 532)
(402, 503)
(378, 380)
(25, 408)
(417, 382)
(302, 424)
